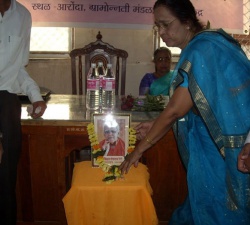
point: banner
(138, 14)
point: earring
(188, 27)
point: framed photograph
(112, 132)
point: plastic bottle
(92, 97)
(100, 69)
(101, 73)
(109, 89)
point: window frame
(34, 55)
(157, 44)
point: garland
(112, 172)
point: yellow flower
(117, 172)
(131, 142)
(93, 139)
(132, 138)
(105, 167)
(94, 143)
(99, 159)
(91, 128)
(132, 131)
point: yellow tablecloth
(90, 201)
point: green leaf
(109, 178)
(99, 153)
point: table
(69, 109)
(90, 201)
(41, 180)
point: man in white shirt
(15, 27)
(244, 157)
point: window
(50, 41)
(244, 40)
(174, 50)
(159, 43)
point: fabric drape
(217, 74)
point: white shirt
(15, 28)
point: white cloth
(15, 28)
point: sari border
(204, 108)
(206, 112)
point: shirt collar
(12, 6)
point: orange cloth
(90, 201)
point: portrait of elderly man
(112, 144)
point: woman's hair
(183, 10)
(161, 49)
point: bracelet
(248, 138)
(149, 141)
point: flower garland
(112, 172)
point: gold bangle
(149, 141)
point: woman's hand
(131, 159)
(142, 129)
(244, 159)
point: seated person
(158, 83)
(112, 144)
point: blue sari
(161, 85)
(146, 82)
(152, 85)
(217, 74)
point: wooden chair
(76, 155)
(93, 53)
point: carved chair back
(93, 53)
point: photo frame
(112, 132)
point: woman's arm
(179, 104)
(244, 157)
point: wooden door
(37, 186)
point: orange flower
(130, 150)
(96, 147)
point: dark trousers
(10, 126)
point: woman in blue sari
(158, 82)
(209, 111)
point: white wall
(55, 73)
